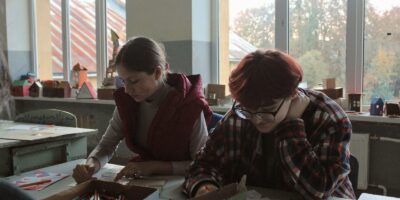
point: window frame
(101, 40)
(354, 40)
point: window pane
(246, 26)
(381, 49)
(83, 36)
(116, 21)
(49, 39)
(317, 39)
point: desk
(25, 147)
(170, 190)
(366, 196)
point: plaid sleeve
(317, 170)
(205, 166)
(212, 162)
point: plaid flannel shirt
(313, 152)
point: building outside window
(246, 26)
(82, 26)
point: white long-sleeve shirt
(104, 151)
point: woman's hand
(85, 172)
(205, 188)
(82, 173)
(146, 168)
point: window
(82, 36)
(317, 35)
(355, 42)
(245, 26)
(116, 21)
(49, 39)
(382, 50)
(317, 39)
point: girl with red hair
(277, 134)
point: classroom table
(169, 188)
(24, 146)
(366, 196)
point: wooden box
(215, 93)
(332, 93)
(112, 189)
(329, 83)
(105, 93)
(53, 92)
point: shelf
(69, 100)
(365, 117)
(359, 117)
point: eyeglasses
(264, 116)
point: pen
(35, 183)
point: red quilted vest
(169, 134)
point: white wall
(183, 26)
(163, 20)
(18, 37)
(201, 19)
(18, 25)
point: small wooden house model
(79, 75)
(376, 106)
(86, 91)
(36, 89)
(20, 88)
(56, 89)
(66, 88)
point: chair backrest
(353, 176)
(214, 120)
(48, 116)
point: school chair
(48, 116)
(353, 176)
(10, 191)
(214, 121)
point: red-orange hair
(264, 75)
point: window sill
(359, 117)
(365, 117)
(70, 100)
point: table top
(366, 196)
(171, 188)
(13, 133)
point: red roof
(83, 33)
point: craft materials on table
(39, 180)
(102, 195)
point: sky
(236, 6)
(384, 5)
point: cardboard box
(392, 109)
(329, 83)
(228, 192)
(106, 93)
(215, 93)
(332, 93)
(110, 188)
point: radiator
(359, 147)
